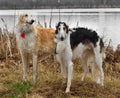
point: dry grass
(49, 83)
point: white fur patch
(60, 47)
(78, 51)
(27, 43)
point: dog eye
(56, 32)
(59, 29)
(64, 28)
(26, 15)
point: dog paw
(82, 79)
(67, 90)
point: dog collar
(23, 34)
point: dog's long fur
(78, 42)
(35, 39)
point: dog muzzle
(30, 22)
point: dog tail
(102, 48)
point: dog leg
(63, 68)
(70, 76)
(64, 72)
(85, 67)
(34, 67)
(24, 61)
(93, 72)
(98, 61)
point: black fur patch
(84, 36)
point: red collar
(23, 34)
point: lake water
(105, 21)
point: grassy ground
(49, 83)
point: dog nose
(32, 21)
(62, 38)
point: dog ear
(67, 28)
(56, 31)
(58, 24)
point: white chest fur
(64, 51)
(27, 43)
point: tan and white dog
(31, 39)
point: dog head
(25, 18)
(61, 31)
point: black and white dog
(78, 42)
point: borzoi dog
(31, 39)
(78, 42)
